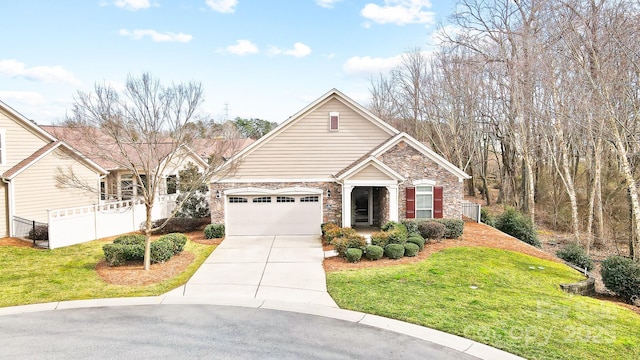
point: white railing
(80, 224)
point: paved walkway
(284, 268)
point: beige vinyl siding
(369, 172)
(308, 150)
(20, 142)
(4, 213)
(36, 191)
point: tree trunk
(147, 241)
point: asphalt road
(202, 332)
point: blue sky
(266, 59)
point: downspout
(10, 203)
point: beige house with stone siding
(29, 160)
(333, 161)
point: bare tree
(146, 129)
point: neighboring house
(30, 159)
(333, 161)
(121, 183)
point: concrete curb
(457, 343)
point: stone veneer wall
(411, 164)
(332, 206)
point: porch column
(346, 205)
(370, 209)
(393, 202)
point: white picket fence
(81, 224)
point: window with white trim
(334, 121)
(285, 199)
(309, 199)
(262, 199)
(237, 200)
(3, 149)
(424, 201)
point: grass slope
(517, 305)
(30, 276)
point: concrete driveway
(283, 268)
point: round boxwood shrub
(130, 239)
(411, 249)
(622, 276)
(177, 239)
(114, 254)
(161, 250)
(431, 230)
(575, 254)
(353, 255)
(342, 244)
(453, 228)
(418, 240)
(214, 231)
(373, 252)
(394, 251)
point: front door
(362, 206)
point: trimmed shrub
(40, 232)
(214, 231)
(575, 254)
(114, 254)
(332, 233)
(622, 276)
(390, 225)
(354, 255)
(519, 226)
(130, 239)
(394, 251)
(327, 226)
(411, 225)
(411, 249)
(179, 225)
(177, 239)
(380, 238)
(416, 239)
(373, 252)
(431, 230)
(351, 241)
(398, 234)
(161, 250)
(453, 228)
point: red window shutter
(411, 202)
(437, 202)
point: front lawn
(30, 276)
(501, 298)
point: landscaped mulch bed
(134, 274)
(17, 242)
(474, 235)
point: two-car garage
(273, 212)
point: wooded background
(538, 100)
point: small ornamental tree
(192, 193)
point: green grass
(514, 308)
(29, 276)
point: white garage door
(273, 215)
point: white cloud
(242, 47)
(299, 50)
(223, 6)
(15, 69)
(327, 4)
(156, 36)
(30, 98)
(367, 65)
(400, 12)
(133, 5)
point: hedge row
(131, 247)
(393, 242)
(434, 229)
